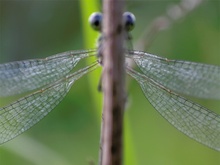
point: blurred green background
(70, 133)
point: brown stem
(113, 83)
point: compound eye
(128, 21)
(95, 21)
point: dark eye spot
(95, 21)
(128, 21)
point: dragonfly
(162, 81)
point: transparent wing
(22, 76)
(19, 116)
(190, 118)
(190, 78)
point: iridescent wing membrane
(189, 78)
(52, 79)
(22, 76)
(159, 78)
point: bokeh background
(70, 133)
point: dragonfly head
(96, 19)
(128, 19)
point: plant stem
(113, 84)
